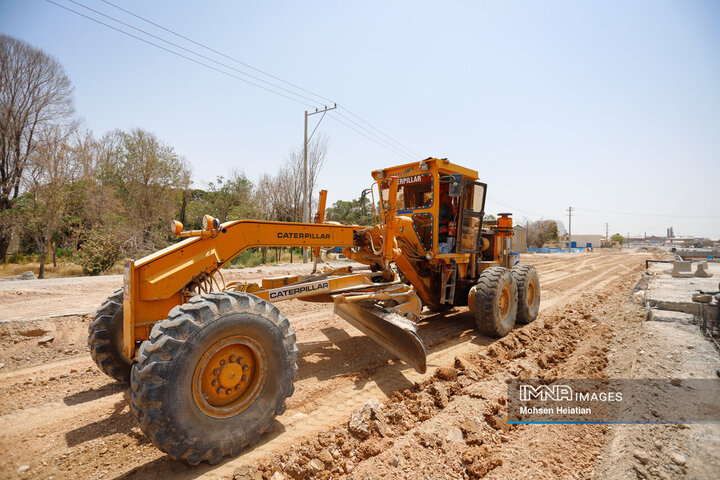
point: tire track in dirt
(563, 349)
(340, 369)
(336, 408)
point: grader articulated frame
(210, 363)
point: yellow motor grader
(211, 364)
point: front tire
(494, 302)
(212, 377)
(105, 339)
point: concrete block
(702, 270)
(682, 270)
(670, 316)
(702, 298)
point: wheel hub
(504, 301)
(229, 376)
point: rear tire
(493, 301)
(528, 288)
(105, 339)
(212, 377)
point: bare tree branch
(34, 93)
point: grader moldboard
(211, 364)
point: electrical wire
(179, 54)
(392, 145)
(493, 199)
(397, 152)
(646, 214)
(202, 45)
(194, 52)
(414, 153)
(217, 52)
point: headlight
(210, 223)
(176, 227)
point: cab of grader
(210, 363)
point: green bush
(249, 258)
(64, 252)
(19, 258)
(99, 252)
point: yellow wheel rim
(230, 376)
(530, 297)
(504, 302)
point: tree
(146, 175)
(618, 238)
(294, 170)
(354, 212)
(541, 231)
(280, 197)
(34, 94)
(229, 198)
(52, 168)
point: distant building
(581, 241)
(519, 239)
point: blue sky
(611, 107)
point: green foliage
(99, 252)
(540, 232)
(145, 175)
(226, 199)
(354, 212)
(21, 258)
(64, 252)
(618, 238)
(248, 258)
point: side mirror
(455, 187)
(363, 199)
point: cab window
(474, 196)
(414, 191)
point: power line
(534, 214)
(392, 145)
(383, 134)
(193, 52)
(412, 155)
(264, 73)
(394, 141)
(647, 214)
(179, 54)
(397, 152)
(217, 52)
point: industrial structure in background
(580, 241)
(212, 363)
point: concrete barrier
(702, 270)
(682, 270)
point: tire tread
(152, 373)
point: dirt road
(62, 418)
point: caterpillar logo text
(302, 235)
(296, 291)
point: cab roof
(439, 165)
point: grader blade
(386, 324)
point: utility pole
(607, 227)
(569, 227)
(307, 195)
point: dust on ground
(61, 418)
